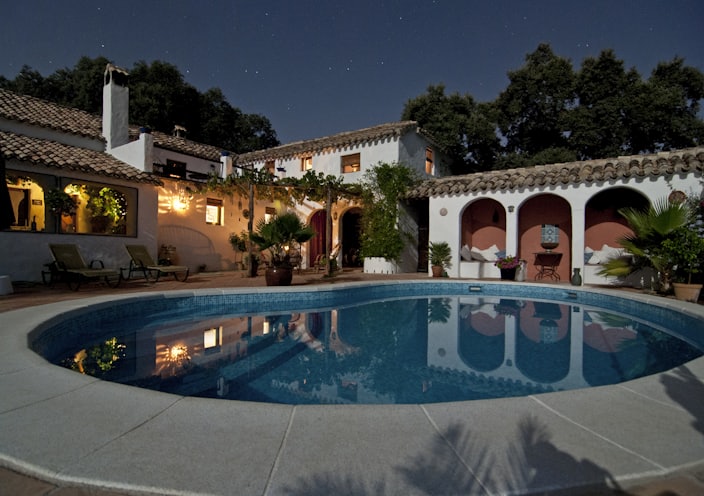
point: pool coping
(62, 426)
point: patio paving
(642, 438)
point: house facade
(513, 212)
(153, 182)
(349, 155)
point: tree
(599, 123)
(666, 107)
(159, 98)
(462, 127)
(532, 111)
(80, 87)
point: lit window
(350, 163)
(269, 213)
(429, 166)
(28, 196)
(213, 212)
(307, 163)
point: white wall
(448, 227)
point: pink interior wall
(604, 227)
(544, 209)
(484, 225)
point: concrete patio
(64, 433)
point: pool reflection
(397, 351)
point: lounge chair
(70, 267)
(143, 263)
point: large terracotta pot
(278, 276)
(687, 292)
(437, 270)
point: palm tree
(279, 235)
(650, 228)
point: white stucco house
(349, 155)
(156, 178)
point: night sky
(319, 67)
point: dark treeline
(159, 98)
(551, 113)
(548, 113)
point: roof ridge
(341, 139)
(588, 171)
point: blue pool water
(400, 343)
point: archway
(484, 224)
(545, 209)
(603, 225)
(350, 232)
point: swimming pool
(66, 426)
(427, 342)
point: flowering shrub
(508, 262)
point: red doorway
(316, 246)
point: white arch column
(511, 229)
(578, 224)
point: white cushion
(488, 255)
(604, 255)
(466, 253)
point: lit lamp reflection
(177, 354)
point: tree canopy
(159, 98)
(550, 112)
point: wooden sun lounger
(70, 267)
(142, 262)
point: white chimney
(226, 164)
(116, 102)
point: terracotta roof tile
(333, 142)
(592, 171)
(41, 113)
(69, 158)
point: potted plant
(440, 257)
(683, 249)
(508, 265)
(279, 235)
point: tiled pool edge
(28, 361)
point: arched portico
(574, 196)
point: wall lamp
(511, 208)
